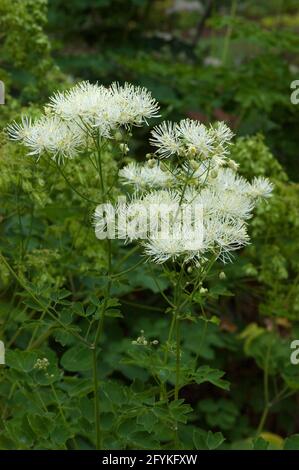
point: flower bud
(118, 136)
(194, 164)
(232, 165)
(151, 162)
(213, 173)
(192, 151)
(124, 148)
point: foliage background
(232, 61)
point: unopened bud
(192, 150)
(118, 136)
(194, 164)
(232, 165)
(222, 275)
(203, 290)
(214, 174)
(151, 162)
(124, 148)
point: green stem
(96, 398)
(151, 308)
(73, 188)
(262, 420)
(172, 324)
(100, 327)
(97, 339)
(159, 288)
(178, 357)
(126, 256)
(126, 271)
(177, 303)
(229, 31)
(266, 392)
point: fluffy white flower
(20, 130)
(49, 134)
(260, 188)
(226, 203)
(103, 108)
(166, 139)
(224, 235)
(134, 104)
(196, 136)
(82, 101)
(222, 133)
(143, 176)
(90, 105)
(133, 220)
(75, 118)
(180, 243)
(193, 139)
(229, 180)
(205, 207)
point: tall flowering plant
(184, 208)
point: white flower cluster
(42, 364)
(145, 176)
(73, 119)
(190, 138)
(200, 175)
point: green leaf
(290, 375)
(207, 374)
(207, 440)
(260, 444)
(66, 316)
(91, 309)
(77, 387)
(113, 313)
(60, 294)
(20, 432)
(61, 433)
(292, 442)
(179, 410)
(36, 306)
(22, 361)
(108, 420)
(214, 440)
(77, 358)
(79, 309)
(143, 440)
(41, 425)
(148, 420)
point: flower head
(84, 115)
(192, 139)
(144, 176)
(49, 134)
(260, 188)
(166, 139)
(134, 104)
(196, 206)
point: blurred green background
(208, 60)
(231, 60)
